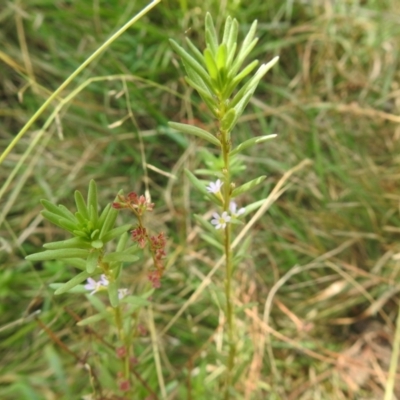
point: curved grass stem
(59, 90)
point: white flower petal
(103, 280)
(234, 211)
(214, 187)
(91, 284)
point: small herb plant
(216, 75)
(101, 264)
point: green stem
(230, 309)
(123, 340)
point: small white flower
(103, 280)
(122, 293)
(214, 187)
(95, 286)
(234, 211)
(220, 221)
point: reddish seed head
(124, 385)
(134, 361)
(139, 236)
(138, 204)
(120, 351)
(142, 330)
(154, 278)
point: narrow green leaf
(93, 215)
(67, 224)
(202, 188)
(95, 234)
(92, 261)
(204, 171)
(211, 34)
(136, 301)
(241, 57)
(201, 91)
(251, 142)
(204, 223)
(246, 71)
(197, 79)
(228, 121)
(113, 293)
(77, 289)
(195, 52)
(211, 104)
(251, 85)
(248, 44)
(99, 305)
(81, 205)
(229, 59)
(81, 234)
(93, 319)
(80, 218)
(221, 56)
(247, 186)
(194, 130)
(61, 211)
(191, 62)
(250, 35)
(210, 64)
(132, 249)
(67, 214)
(97, 244)
(103, 215)
(75, 242)
(241, 105)
(116, 232)
(108, 222)
(205, 92)
(253, 207)
(227, 30)
(212, 241)
(233, 34)
(58, 254)
(76, 262)
(197, 183)
(120, 257)
(244, 95)
(53, 218)
(123, 240)
(92, 202)
(76, 280)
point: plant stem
(230, 311)
(123, 340)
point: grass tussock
(318, 294)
